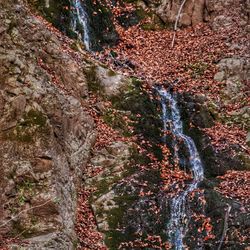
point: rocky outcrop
(126, 199)
(62, 14)
(46, 133)
(234, 73)
(196, 113)
(194, 12)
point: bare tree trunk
(176, 21)
(225, 226)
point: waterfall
(81, 16)
(178, 224)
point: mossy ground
(144, 114)
(145, 121)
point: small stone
(219, 76)
(10, 189)
(201, 98)
(101, 107)
(248, 139)
(247, 28)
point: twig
(25, 210)
(176, 22)
(225, 226)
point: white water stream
(178, 224)
(81, 16)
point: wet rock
(98, 15)
(127, 19)
(216, 163)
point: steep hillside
(124, 124)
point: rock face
(191, 15)
(101, 28)
(46, 134)
(62, 14)
(111, 83)
(194, 12)
(195, 112)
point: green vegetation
(114, 118)
(30, 124)
(111, 73)
(114, 237)
(58, 13)
(144, 114)
(25, 191)
(197, 69)
(92, 80)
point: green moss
(116, 214)
(197, 69)
(102, 187)
(92, 80)
(138, 158)
(111, 73)
(25, 190)
(12, 25)
(24, 231)
(32, 122)
(58, 13)
(144, 114)
(148, 26)
(245, 159)
(74, 46)
(115, 119)
(34, 117)
(113, 236)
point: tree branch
(225, 226)
(176, 22)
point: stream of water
(81, 16)
(178, 224)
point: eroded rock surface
(194, 12)
(46, 134)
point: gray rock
(112, 82)
(219, 76)
(248, 139)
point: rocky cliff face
(194, 12)
(46, 132)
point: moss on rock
(30, 124)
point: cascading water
(178, 223)
(81, 16)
